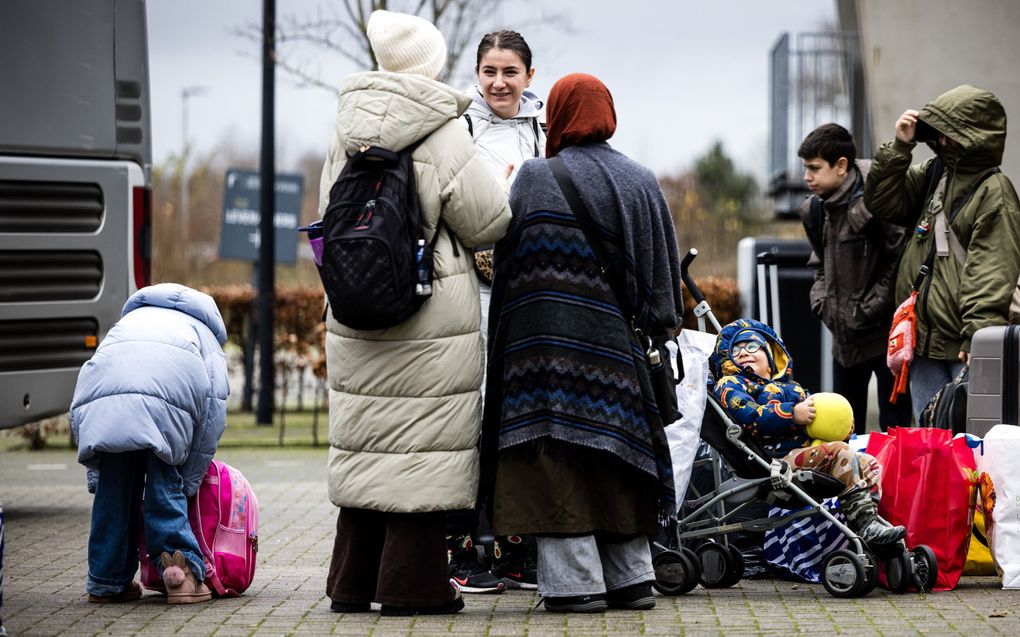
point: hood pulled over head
(743, 330)
(973, 118)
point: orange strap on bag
(900, 350)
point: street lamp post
(186, 92)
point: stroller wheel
(673, 573)
(925, 568)
(718, 566)
(844, 574)
(737, 570)
(871, 571)
(695, 564)
(898, 571)
(693, 558)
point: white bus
(75, 190)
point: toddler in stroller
(754, 383)
(755, 421)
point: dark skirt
(554, 488)
(396, 559)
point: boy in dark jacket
(965, 216)
(754, 383)
(855, 258)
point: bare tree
(340, 27)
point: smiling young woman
(504, 116)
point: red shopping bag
(927, 486)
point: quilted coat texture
(405, 402)
(157, 381)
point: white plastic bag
(692, 392)
(1001, 449)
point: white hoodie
(506, 141)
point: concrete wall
(914, 50)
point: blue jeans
(927, 376)
(116, 518)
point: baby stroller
(711, 517)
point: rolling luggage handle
(771, 262)
(1011, 375)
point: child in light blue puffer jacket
(148, 412)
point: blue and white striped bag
(798, 548)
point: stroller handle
(688, 280)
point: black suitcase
(994, 390)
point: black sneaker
(350, 607)
(635, 597)
(518, 575)
(577, 604)
(448, 608)
(469, 576)
(522, 578)
(515, 562)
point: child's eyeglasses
(750, 347)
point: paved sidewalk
(47, 509)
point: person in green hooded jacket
(965, 218)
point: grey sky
(682, 73)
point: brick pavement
(47, 515)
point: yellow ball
(834, 418)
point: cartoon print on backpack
(224, 515)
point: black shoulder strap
(815, 224)
(932, 174)
(591, 232)
(858, 189)
(534, 127)
(471, 125)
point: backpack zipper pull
(365, 218)
(422, 289)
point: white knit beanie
(405, 43)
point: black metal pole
(251, 337)
(267, 196)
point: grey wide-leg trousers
(583, 565)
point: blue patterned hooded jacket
(763, 406)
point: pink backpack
(224, 516)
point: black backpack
(376, 264)
(947, 409)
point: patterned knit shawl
(564, 363)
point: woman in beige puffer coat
(405, 402)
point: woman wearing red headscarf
(573, 448)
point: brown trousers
(397, 559)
